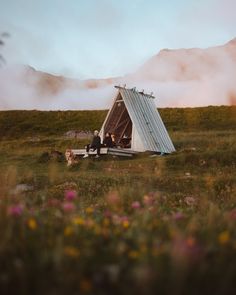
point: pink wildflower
(136, 205)
(190, 201)
(186, 250)
(68, 207)
(148, 200)
(53, 203)
(15, 210)
(178, 216)
(70, 195)
(107, 213)
(124, 218)
(232, 214)
(113, 199)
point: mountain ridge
(180, 77)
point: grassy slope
(23, 123)
(170, 245)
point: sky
(107, 38)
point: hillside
(29, 123)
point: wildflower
(89, 223)
(185, 250)
(190, 201)
(116, 219)
(126, 223)
(224, 237)
(107, 213)
(113, 199)
(136, 205)
(32, 224)
(68, 231)
(89, 210)
(148, 200)
(133, 254)
(68, 207)
(178, 216)
(78, 221)
(71, 251)
(190, 242)
(232, 214)
(106, 222)
(85, 286)
(15, 210)
(53, 203)
(70, 195)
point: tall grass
(109, 226)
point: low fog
(178, 78)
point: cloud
(184, 77)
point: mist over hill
(178, 78)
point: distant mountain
(183, 77)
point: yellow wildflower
(32, 224)
(71, 251)
(125, 223)
(68, 231)
(85, 286)
(78, 221)
(224, 237)
(89, 210)
(133, 254)
(106, 222)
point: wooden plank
(111, 151)
(78, 152)
(120, 150)
(120, 154)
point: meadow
(147, 225)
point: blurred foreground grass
(148, 225)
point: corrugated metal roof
(147, 121)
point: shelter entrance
(119, 123)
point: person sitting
(95, 145)
(107, 142)
(113, 138)
(125, 141)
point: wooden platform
(71, 154)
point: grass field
(148, 225)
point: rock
(56, 155)
(53, 155)
(44, 157)
(78, 134)
(22, 188)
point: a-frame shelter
(136, 122)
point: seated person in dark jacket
(107, 141)
(95, 145)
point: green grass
(15, 124)
(162, 225)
